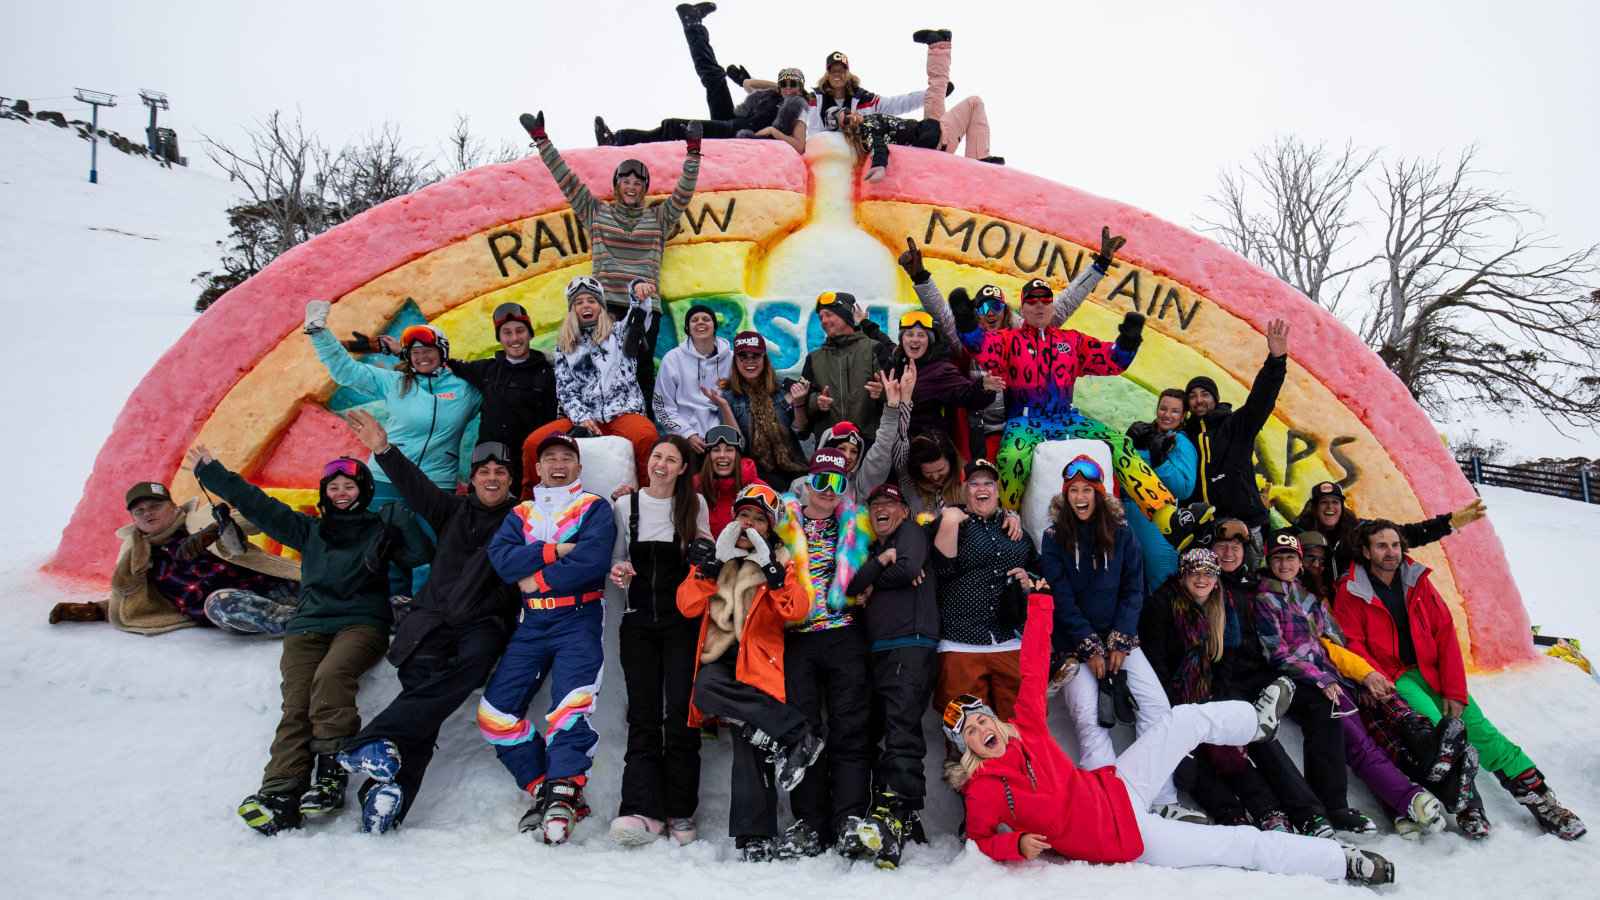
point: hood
(721, 350)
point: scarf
(1192, 678)
(768, 446)
(726, 611)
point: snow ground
(125, 756)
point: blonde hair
(1212, 605)
(970, 762)
(572, 330)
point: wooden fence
(1571, 485)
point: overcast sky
(1142, 102)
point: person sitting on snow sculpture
(186, 565)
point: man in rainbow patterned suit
(557, 549)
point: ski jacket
(680, 406)
(1341, 538)
(862, 101)
(344, 575)
(1035, 787)
(1369, 630)
(843, 364)
(720, 513)
(601, 381)
(523, 551)
(1226, 439)
(426, 422)
(1096, 595)
(903, 607)
(1177, 474)
(855, 536)
(517, 397)
(753, 612)
(1291, 623)
(462, 587)
(625, 242)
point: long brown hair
(1104, 521)
(707, 479)
(763, 385)
(1216, 614)
(685, 502)
(931, 446)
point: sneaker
(682, 830)
(326, 794)
(860, 838)
(1473, 823)
(1452, 744)
(1179, 812)
(380, 807)
(1314, 826)
(564, 809)
(799, 840)
(603, 135)
(533, 820)
(1351, 820)
(270, 813)
(793, 761)
(378, 760)
(994, 160)
(636, 831)
(1271, 707)
(757, 849)
(931, 36)
(1276, 821)
(1426, 811)
(1366, 867)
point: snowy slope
(125, 756)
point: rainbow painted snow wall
(767, 231)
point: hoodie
(681, 407)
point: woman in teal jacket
(1169, 451)
(427, 407)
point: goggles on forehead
(724, 434)
(635, 168)
(827, 482)
(584, 284)
(827, 298)
(1082, 467)
(491, 451)
(957, 710)
(419, 334)
(509, 312)
(344, 465)
(917, 318)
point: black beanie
(1204, 383)
(842, 304)
(700, 308)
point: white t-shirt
(655, 521)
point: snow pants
(902, 683)
(1025, 433)
(719, 100)
(1094, 743)
(1373, 766)
(993, 677)
(967, 119)
(636, 429)
(1148, 764)
(1412, 741)
(439, 675)
(239, 611)
(1496, 752)
(753, 806)
(564, 646)
(1323, 745)
(1232, 787)
(321, 673)
(661, 768)
(828, 669)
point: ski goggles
(344, 465)
(990, 300)
(758, 495)
(584, 284)
(635, 168)
(957, 710)
(827, 298)
(510, 312)
(491, 451)
(827, 482)
(1083, 467)
(1037, 291)
(917, 318)
(725, 434)
(419, 334)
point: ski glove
(1109, 245)
(1161, 446)
(962, 311)
(761, 554)
(535, 126)
(911, 262)
(775, 574)
(727, 541)
(738, 75)
(1141, 435)
(1130, 334)
(692, 133)
(703, 556)
(317, 315)
(361, 343)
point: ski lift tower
(95, 99)
(156, 100)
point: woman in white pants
(1024, 796)
(1093, 563)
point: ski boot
(1472, 821)
(1180, 813)
(532, 821)
(789, 762)
(1452, 736)
(860, 838)
(1425, 812)
(603, 135)
(1352, 820)
(564, 809)
(931, 35)
(692, 13)
(378, 760)
(270, 813)
(1530, 790)
(326, 794)
(756, 848)
(1366, 867)
(914, 832)
(1271, 707)
(1314, 825)
(380, 806)
(889, 815)
(799, 840)
(1182, 525)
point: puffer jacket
(425, 422)
(1370, 631)
(600, 381)
(1096, 595)
(681, 408)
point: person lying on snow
(340, 630)
(186, 565)
(1024, 796)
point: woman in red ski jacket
(1024, 796)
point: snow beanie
(840, 303)
(696, 309)
(1205, 384)
(1200, 559)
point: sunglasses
(1083, 468)
(791, 83)
(419, 334)
(827, 482)
(1037, 298)
(917, 318)
(344, 465)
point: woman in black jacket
(1325, 512)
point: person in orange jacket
(1024, 796)
(744, 591)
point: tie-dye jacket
(1293, 626)
(524, 549)
(855, 535)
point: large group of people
(816, 563)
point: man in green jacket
(840, 369)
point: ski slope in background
(125, 756)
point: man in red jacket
(1392, 616)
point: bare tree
(464, 150)
(1289, 212)
(365, 174)
(277, 169)
(1471, 306)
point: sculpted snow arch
(766, 232)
